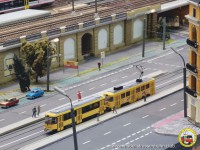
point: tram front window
(108, 98)
(49, 120)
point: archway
(86, 43)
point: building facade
(193, 65)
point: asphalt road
(133, 129)
(166, 62)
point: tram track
(8, 33)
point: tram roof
(174, 4)
(22, 15)
(128, 85)
(75, 104)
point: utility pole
(143, 43)
(164, 32)
(48, 67)
(184, 82)
(72, 116)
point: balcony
(191, 68)
(192, 44)
(191, 92)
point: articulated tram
(60, 118)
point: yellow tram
(60, 118)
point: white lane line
(103, 148)
(123, 139)
(43, 105)
(146, 134)
(2, 119)
(103, 84)
(148, 127)
(162, 109)
(127, 124)
(138, 132)
(143, 129)
(118, 141)
(168, 81)
(159, 57)
(132, 141)
(107, 133)
(21, 139)
(113, 80)
(61, 99)
(124, 77)
(133, 134)
(128, 136)
(86, 142)
(22, 112)
(136, 139)
(91, 88)
(108, 145)
(181, 100)
(145, 116)
(173, 104)
(142, 136)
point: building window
(194, 12)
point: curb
(100, 122)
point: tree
(160, 29)
(21, 74)
(35, 57)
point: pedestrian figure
(38, 112)
(99, 66)
(34, 112)
(98, 117)
(79, 95)
(144, 95)
(114, 109)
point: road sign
(102, 54)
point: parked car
(9, 102)
(34, 93)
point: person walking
(99, 66)
(144, 95)
(79, 95)
(34, 112)
(114, 109)
(38, 110)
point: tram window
(109, 99)
(67, 116)
(142, 88)
(53, 120)
(147, 86)
(90, 107)
(128, 93)
(137, 90)
(123, 95)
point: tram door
(78, 116)
(60, 123)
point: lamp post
(143, 43)
(72, 116)
(184, 82)
(48, 62)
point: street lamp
(48, 62)
(184, 82)
(72, 115)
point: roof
(196, 1)
(128, 85)
(75, 104)
(174, 4)
(22, 15)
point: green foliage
(21, 74)
(35, 57)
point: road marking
(145, 116)
(168, 81)
(113, 80)
(162, 109)
(143, 129)
(159, 57)
(136, 139)
(128, 136)
(133, 133)
(147, 134)
(107, 145)
(181, 100)
(107, 133)
(126, 124)
(86, 142)
(141, 136)
(148, 127)
(123, 139)
(21, 139)
(103, 84)
(118, 141)
(132, 141)
(138, 132)
(173, 104)
(61, 99)
(124, 76)
(127, 143)
(103, 148)
(2, 119)
(22, 112)
(91, 88)
(43, 105)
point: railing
(53, 32)
(191, 68)
(89, 23)
(191, 92)
(71, 28)
(33, 36)
(11, 42)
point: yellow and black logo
(187, 137)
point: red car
(9, 102)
